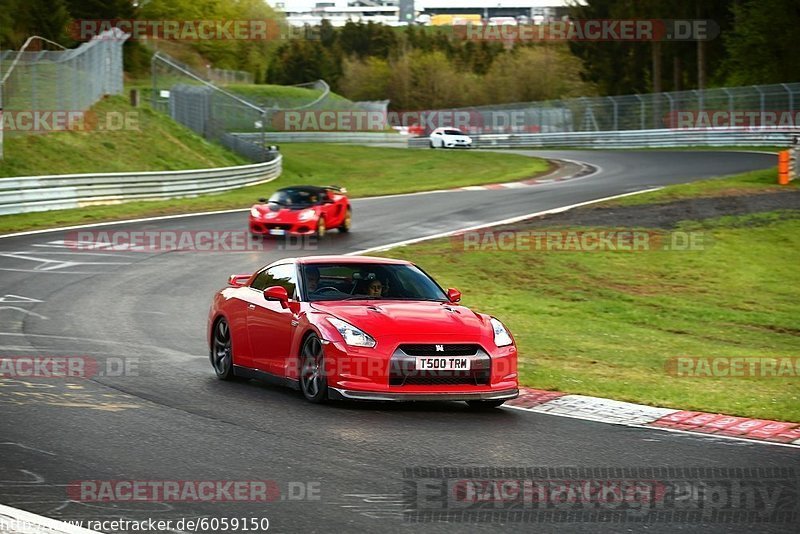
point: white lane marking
(49, 264)
(21, 517)
(156, 348)
(648, 427)
(23, 446)
(510, 220)
(23, 310)
(17, 299)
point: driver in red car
(312, 278)
(375, 289)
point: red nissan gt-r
(346, 327)
(301, 210)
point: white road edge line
(665, 429)
(510, 220)
(21, 521)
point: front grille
(269, 226)
(448, 350)
(455, 378)
(403, 370)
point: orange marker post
(783, 167)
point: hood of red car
(392, 318)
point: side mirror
(277, 293)
(454, 295)
(262, 200)
(238, 280)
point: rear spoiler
(336, 188)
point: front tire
(348, 221)
(222, 351)
(313, 381)
(321, 228)
(484, 404)
(433, 145)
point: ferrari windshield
(295, 197)
(368, 281)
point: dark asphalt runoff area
(338, 467)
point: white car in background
(450, 138)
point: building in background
(402, 12)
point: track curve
(176, 422)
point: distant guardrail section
(355, 138)
(40, 193)
(672, 138)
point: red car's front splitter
(345, 394)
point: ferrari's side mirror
(277, 293)
(262, 200)
(454, 295)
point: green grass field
(747, 183)
(608, 324)
(280, 95)
(157, 143)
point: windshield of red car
(368, 281)
(294, 198)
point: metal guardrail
(706, 137)
(40, 193)
(357, 138)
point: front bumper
(388, 373)
(345, 394)
(269, 228)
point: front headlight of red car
(306, 215)
(501, 336)
(353, 336)
(254, 212)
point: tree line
(430, 67)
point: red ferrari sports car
(301, 210)
(346, 327)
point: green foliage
(763, 46)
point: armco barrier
(707, 137)
(351, 138)
(40, 193)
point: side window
(280, 275)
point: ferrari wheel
(313, 382)
(222, 351)
(348, 220)
(321, 228)
(484, 404)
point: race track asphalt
(170, 419)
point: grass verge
(608, 324)
(152, 142)
(762, 181)
(365, 171)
